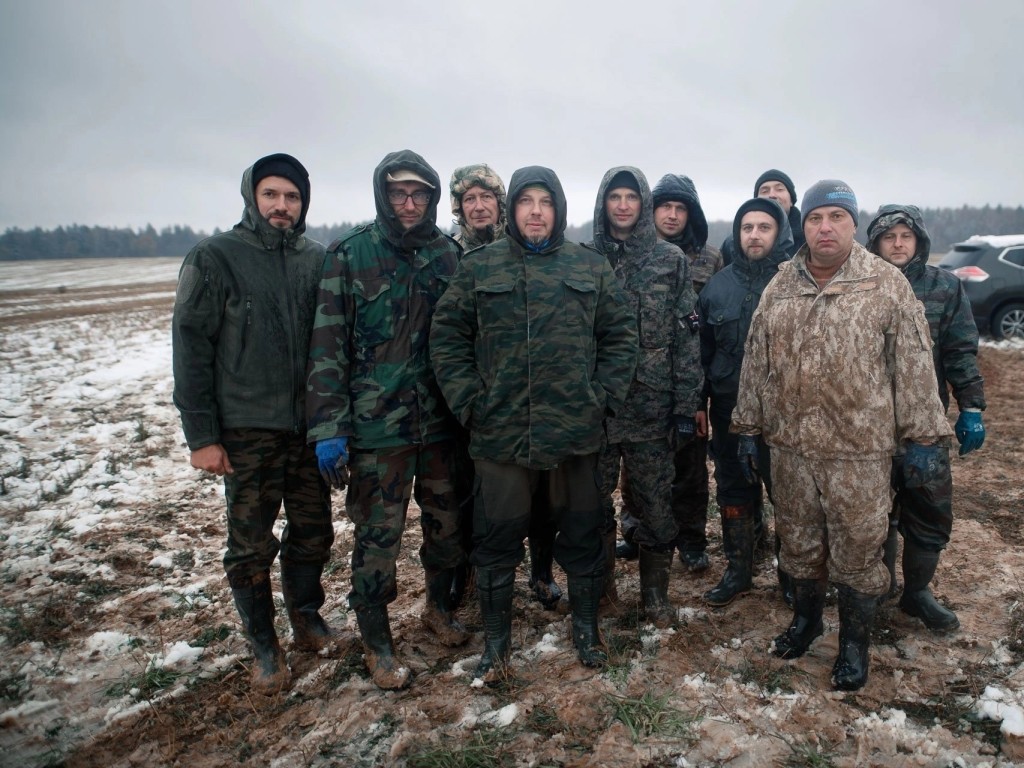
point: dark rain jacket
(727, 304)
(703, 259)
(370, 376)
(656, 278)
(243, 313)
(946, 308)
(730, 246)
(532, 349)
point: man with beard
(779, 187)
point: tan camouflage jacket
(843, 372)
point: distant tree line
(945, 225)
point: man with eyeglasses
(374, 408)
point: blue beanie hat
(830, 192)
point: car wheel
(1008, 322)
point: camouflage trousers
(925, 514)
(273, 467)
(377, 503)
(832, 516)
(647, 470)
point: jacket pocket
(654, 368)
(495, 306)
(657, 318)
(579, 302)
(375, 321)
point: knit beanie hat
(830, 192)
(284, 166)
(776, 175)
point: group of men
(509, 381)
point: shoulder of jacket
(336, 245)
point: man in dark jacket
(533, 344)
(924, 514)
(374, 406)
(778, 186)
(726, 307)
(242, 319)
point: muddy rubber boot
(889, 549)
(654, 574)
(495, 586)
(303, 599)
(255, 604)
(785, 580)
(584, 596)
(807, 624)
(542, 557)
(627, 550)
(738, 543)
(918, 569)
(856, 614)
(437, 612)
(610, 605)
(375, 629)
(462, 578)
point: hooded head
(406, 165)
(545, 178)
(783, 238)
(465, 178)
(889, 216)
(280, 164)
(643, 235)
(679, 188)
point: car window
(1013, 255)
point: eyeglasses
(398, 197)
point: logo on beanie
(844, 194)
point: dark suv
(991, 268)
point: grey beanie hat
(830, 192)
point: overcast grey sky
(128, 113)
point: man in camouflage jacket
(533, 344)
(837, 373)
(373, 401)
(659, 415)
(924, 514)
(242, 319)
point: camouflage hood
(387, 221)
(643, 237)
(534, 175)
(477, 175)
(889, 216)
(681, 188)
(253, 221)
(783, 241)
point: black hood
(889, 216)
(680, 188)
(422, 233)
(294, 171)
(529, 176)
(783, 241)
(644, 235)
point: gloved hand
(922, 464)
(970, 432)
(747, 453)
(331, 456)
(686, 430)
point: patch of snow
(1008, 706)
(107, 642)
(180, 653)
(161, 561)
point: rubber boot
(255, 604)
(807, 624)
(379, 648)
(303, 599)
(584, 596)
(654, 571)
(610, 605)
(785, 580)
(542, 558)
(627, 550)
(918, 569)
(437, 612)
(856, 614)
(495, 586)
(889, 549)
(738, 543)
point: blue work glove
(331, 456)
(970, 432)
(922, 464)
(685, 431)
(748, 453)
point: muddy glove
(331, 456)
(922, 464)
(970, 432)
(747, 453)
(685, 431)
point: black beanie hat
(623, 179)
(285, 166)
(776, 175)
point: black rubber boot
(437, 612)
(654, 573)
(918, 569)
(542, 558)
(303, 599)
(806, 626)
(584, 597)
(889, 550)
(495, 586)
(375, 629)
(785, 580)
(610, 605)
(627, 550)
(856, 614)
(738, 543)
(255, 603)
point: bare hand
(212, 458)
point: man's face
(829, 231)
(758, 231)
(670, 219)
(622, 208)
(776, 190)
(278, 201)
(409, 199)
(480, 208)
(897, 245)
(535, 214)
